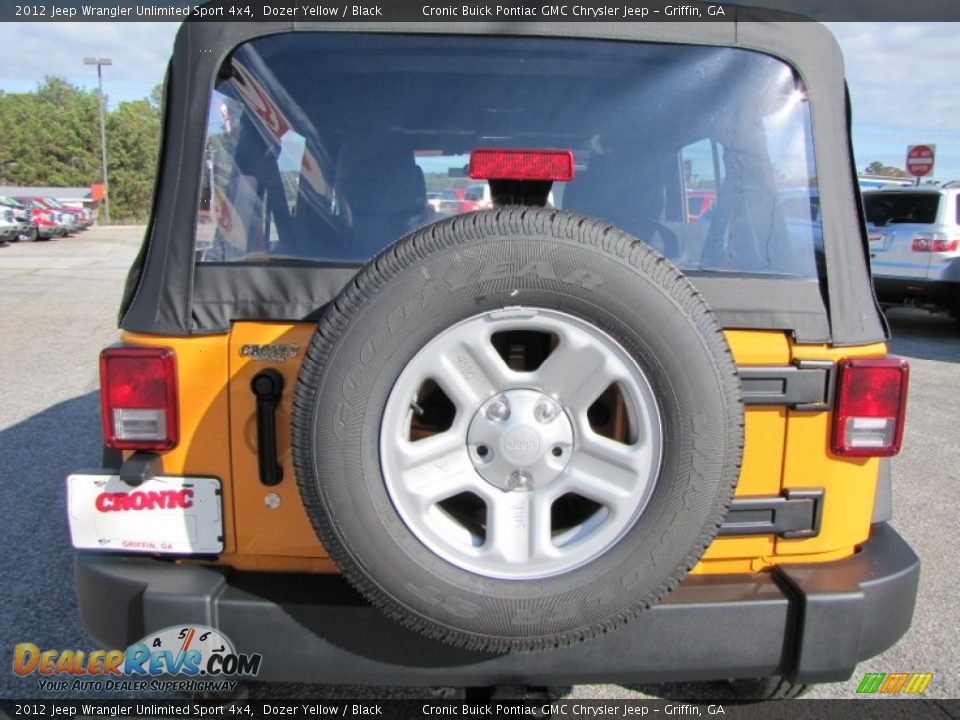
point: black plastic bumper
(945, 293)
(813, 623)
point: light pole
(100, 62)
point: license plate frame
(172, 515)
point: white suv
(8, 226)
(914, 235)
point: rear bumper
(812, 623)
(944, 293)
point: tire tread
(459, 230)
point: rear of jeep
(380, 445)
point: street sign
(920, 159)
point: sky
(901, 77)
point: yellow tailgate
(783, 449)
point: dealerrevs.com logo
(188, 658)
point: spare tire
(517, 429)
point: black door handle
(267, 385)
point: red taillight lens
(494, 164)
(933, 242)
(138, 396)
(871, 401)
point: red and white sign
(920, 159)
(162, 515)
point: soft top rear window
(889, 208)
(322, 147)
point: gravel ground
(58, 303)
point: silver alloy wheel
(519, 442)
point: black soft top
(160, 296)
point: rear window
(890, 208)
(321, 147)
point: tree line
(51, 137)
(878, 168)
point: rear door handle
(267, 386)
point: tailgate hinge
(795, 514)
(808, 385)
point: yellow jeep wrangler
(620, 416)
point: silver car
(914, 237)
(8, 226)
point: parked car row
(24, 219)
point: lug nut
(520, 480)
(498, 410)
(545, 411)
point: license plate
(879, 241)
(175, 515)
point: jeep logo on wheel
(521, 445)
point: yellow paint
(204, 447)
(217, 437)
(825, 352)
(275, 563)
(790, 449)
(758, 347)
(849, 484)
(285, 531)
(783, 449)
(764, 438)
(760, 471)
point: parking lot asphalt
(58, 305)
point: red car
(43, 218)
(451, 201)
(84, 217)
(71, 218)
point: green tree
(156, 97)
(133, 142)
(878, 168)
(49, 137)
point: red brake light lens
(871, 401)
(138, 396)
(499, 164)
(933, 242)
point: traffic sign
(920, 159)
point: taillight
(496, 164)
(933, 242)
(871, 400)
(138, 397)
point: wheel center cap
(521, 445)
(520, 440)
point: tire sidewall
(699, 417)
